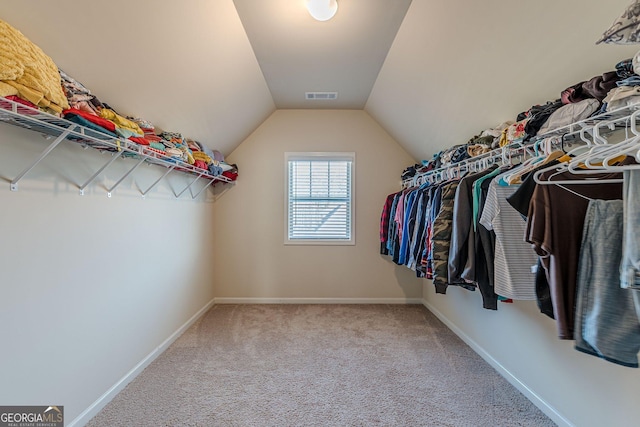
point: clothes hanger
(514, 175)
(570, 166)
(571, 154)
(580, 164)
(564, 167)
(632, 147)
(575, 158)
(605, 157)
(595, 180)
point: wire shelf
(16, 114)
(575, 132)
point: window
(319, 198)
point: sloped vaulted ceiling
(458, 67)
(186, 66)
(454, 68)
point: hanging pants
(606, 323)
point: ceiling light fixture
(322, 10)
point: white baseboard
(102, 401)
(318, 300)
(549, 410)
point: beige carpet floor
(319, 365)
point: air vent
(321, 95)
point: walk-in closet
(319, 213)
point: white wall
(251, 260)
(583, 390)
(90, 285)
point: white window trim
(324, 156)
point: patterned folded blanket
(26, 71)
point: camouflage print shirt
(441, 237)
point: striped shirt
(514, 257)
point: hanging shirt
(462, 250)
(399, 220)
(418, 230)
(554, 227)
(408, 225)
(384, 223)
(441, 237)
(520, 200)
(477, 190)
(391, 233)
(513, 277)
(485, 243)
(421, 250)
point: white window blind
(319, 198)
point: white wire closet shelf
(20, 115)
(595, 127)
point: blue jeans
(630, 266)
(606, 323)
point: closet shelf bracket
(45, 153)
(201, 190)
(187, 187)
(110, 190)
(157, 181)
(114, 157)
